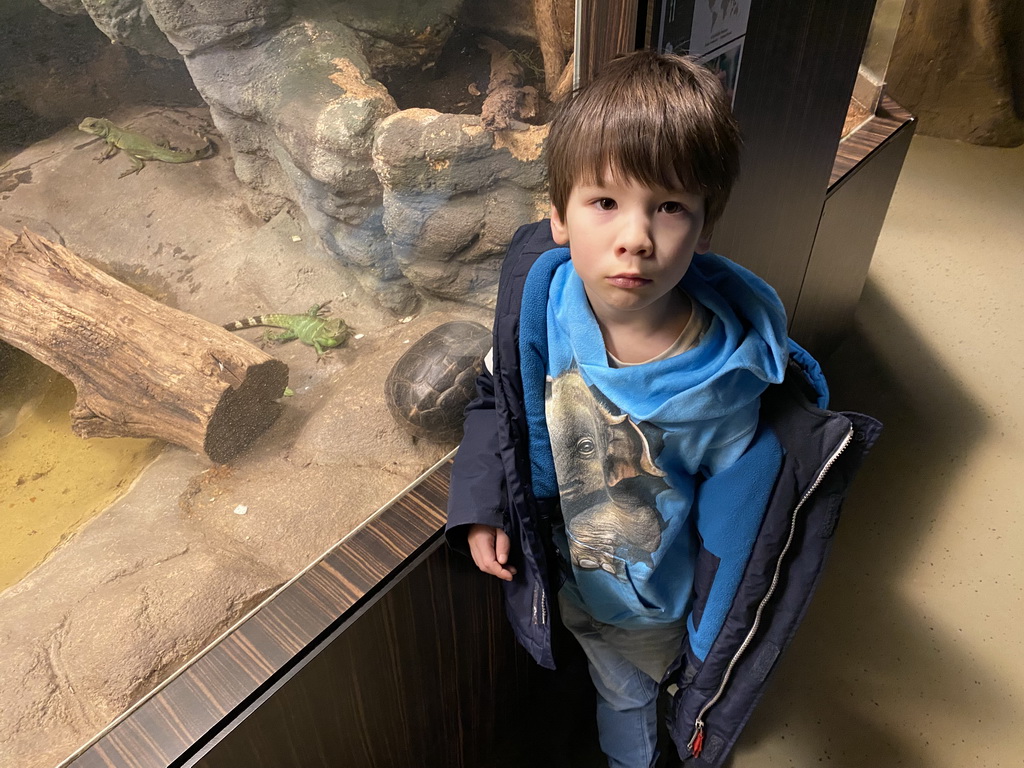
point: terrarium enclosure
(168, 168)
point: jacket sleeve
(477, 489)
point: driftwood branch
(549, 37)
(140, 368)
(501, 109)
(564, 85)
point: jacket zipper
(540, 605)
(696, 743)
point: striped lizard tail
(254, 322)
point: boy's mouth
(628, 281)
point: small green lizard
(312, 328)
(138, 147)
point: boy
(617, 454)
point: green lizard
(312, 328)
(138, 147)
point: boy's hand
(489, 547)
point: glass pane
(870, 85)
(219, 237)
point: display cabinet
(875, 139)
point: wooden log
(140, 368)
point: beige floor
(912, 653)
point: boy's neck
(635, 337)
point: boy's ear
(559, 232)
(704, 243)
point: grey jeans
(627, 666)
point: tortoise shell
(429, 386)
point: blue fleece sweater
(630, 450)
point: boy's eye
(672, 207)
(606, 204)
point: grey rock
(130, 23)
(454, 194)
(193, 26)
(299, 111)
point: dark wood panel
(424, 677)
(796, 78)
(869, 137)
(850, 224)
(607, 28)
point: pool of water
(51, 481)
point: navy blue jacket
(711, 700)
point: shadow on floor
(865, 633)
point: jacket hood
(708, 395)
(743, 350)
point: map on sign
(712, 30)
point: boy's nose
(635, 238)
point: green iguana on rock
(138, 147)
(312, 328)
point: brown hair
(658, 119)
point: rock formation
(416, 202)
(454, 194)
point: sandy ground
(152, 579)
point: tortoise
(429, 386)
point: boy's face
(631, 245)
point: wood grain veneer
(867, 138)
